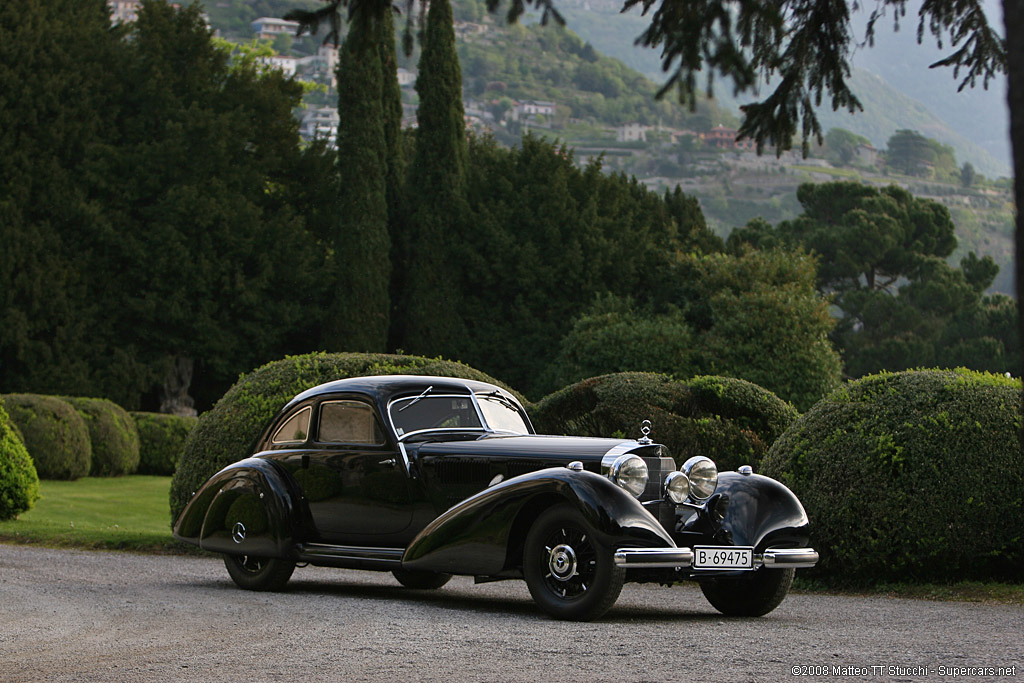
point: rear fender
(762, 512)
(483, 535)
(245, 509)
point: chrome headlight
(677, 487)
(630, 472)
(703, 476)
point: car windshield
(423, 412)
(501, 414)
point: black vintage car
(432, 476)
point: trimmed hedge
(729, 420)
(55, 435)
(227, 433)
(161, 439)
(19, 482)
(914, 476)
(112, 433)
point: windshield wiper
(502, 399)
(417, 399)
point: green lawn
(98, 512)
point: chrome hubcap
(562, 562)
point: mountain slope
(895, 85)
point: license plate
(723, 557)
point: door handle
(390, 462)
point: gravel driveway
(84, 616)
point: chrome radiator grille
(657, 470)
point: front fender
(245, 509)
(482, 535)
(762, 512)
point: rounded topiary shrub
(19, 483)
(729, 420)
(911, 476)
(161, 440)
(226, 433)
(112, 433)
(55, 435)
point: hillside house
(285, 63)
(631, 132)
(269, 28)
(867, 155)
(320, 123)
(725, 138)
(406, 78)
(125, 11)
(533, 108)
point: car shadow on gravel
(461, 597)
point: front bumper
(654, 558)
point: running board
(350, 557)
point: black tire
(749, 596)
(569, 574)
(420, 580)
(259, 573)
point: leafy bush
(112, 433)
(731, 421)
(911, 476)
(19, 483)
(612, 336)
(161, 440)
(226, 434)
(55, 435)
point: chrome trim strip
(346, 552)
(405, 460)
(653, 557)
(790, 557)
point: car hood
(555, 449)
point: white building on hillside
(631, 132)
(271, 27)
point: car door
(355, 484)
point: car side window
(295, 429)
(349, 422)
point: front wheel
(569, 573)
(749, 596)
(259, 573)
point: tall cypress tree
(359, 316)
(433, 324)
(391, 100)
(394, 154)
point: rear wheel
(570, 575)
(420, 580)
(259, 573)
(749, 596)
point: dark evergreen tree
(359, 314)
(548, 238)
(215, 271)
(57, 89)
(391, 99)
(432, 308)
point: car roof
(386, 387)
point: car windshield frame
(507, 403)
(393, 408)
